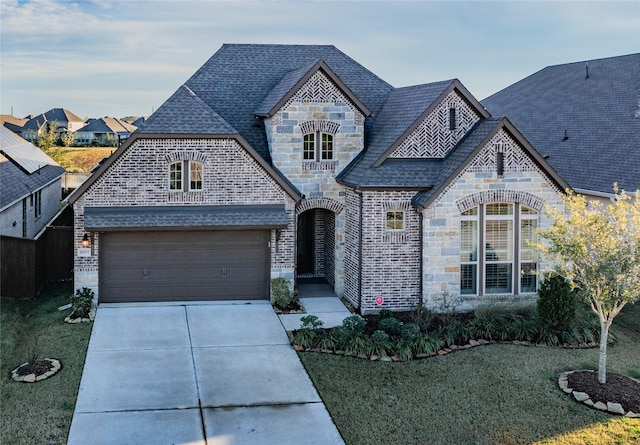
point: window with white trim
(394, 220)
(495, 256)
(317, 147)
(185, 176)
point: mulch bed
(39, 367)
(618, 389)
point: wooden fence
(26, 264)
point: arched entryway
(316, 245)
(316, 241)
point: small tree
(68, 138)
(47, 139)
(598, 248)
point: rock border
(584, 398)
(32, 378)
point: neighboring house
(30, 189)
(13, 123)
(138, 122)
(104, 131)
(584, 118)
(65, 121)
(295, 161)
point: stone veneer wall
(140, 177)
(319, 105)
(522, 181)
(390, 260)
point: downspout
(421, 248)
(360, 252)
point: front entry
(316, 245)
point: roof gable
(443, 140)
(294, 81)
(477, 152)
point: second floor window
(318, 146)
(185, 176)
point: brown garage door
(177, 266)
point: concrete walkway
(196, 374)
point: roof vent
(566, 136)
(587, 69)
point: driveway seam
(195, 375)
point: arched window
(495, 257)
(317, 146)
(185, 176)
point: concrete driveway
(196, 374)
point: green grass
(40, 413)
(79, 159)
(497, 394)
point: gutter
(360, 252)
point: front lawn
(40, 413)
(496, 394)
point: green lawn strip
(497, 394)
(40, 413)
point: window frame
(395, 220)
(37, 211)
(523, 260)
(322, 146)
(181, 176)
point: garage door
(177, 266)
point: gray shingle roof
(108, 125)
(600, 115)
(236, 80)
(185, 113)
(15, 180)
(171, 217)
(61, 116)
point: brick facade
(140, 176)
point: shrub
(403, 348)
(423, 317)
(426, 344)
(556, 303)
(385, 313)
(310, 322)
(410, 331)
(391, 326)
(380, 343)
(283, 296)
(305, 338)
(81, 303)
(354, 324)
(327, 341)
(357, 344)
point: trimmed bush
(391, 326)
(556, 303)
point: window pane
(195, 175)
(527, 210)
(395, 220)
(309, 147)
(528, 277)
(499, 240)
(468, 241)
(327, 146)
(468, 279)
(470, 212)
(175, 176)
(527, 232)
(498, 278)
(499, 208)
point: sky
(126, 57)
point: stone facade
(140, 176)
(523, 182)
(319, 106)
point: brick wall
(352, 247)
(140, 177)
(390, 260)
